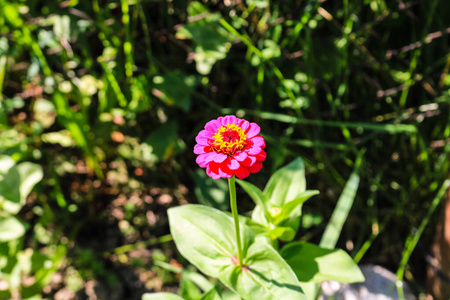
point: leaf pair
(278, 207)
(206, 237)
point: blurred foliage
(107, 97)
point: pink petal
(242, 172)
(212, 126)
(240, 156)
(220, 157)
(244, 124)
(258, 141)
(253, 150)
(229, 120)
(200, 149)
(202, 140)
(204, 159)
(205, 134)
(254, 130)
(233, 164)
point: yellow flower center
(229, 139)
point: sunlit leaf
(288, 208)
(286, 183)
(206, 237)
(285, 234)
(161, 296)
(267, 277)
(211, 41)
(10, 229)
(312, 263)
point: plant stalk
(233, 204)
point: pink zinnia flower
(230, 146)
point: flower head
(230, 146)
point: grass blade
(340, 213)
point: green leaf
(161, 296)
(312, 263)
(10, 198)
(206, 237)
(11, 228)
(196, 8)
(30, 175)
(255, 193)
(285, 234)
(195, 277)
(188, 289)
(310, 289)
(289, 207)
(211, 41)
(16, 182)
(287, 183)
(211, 192)
(213, 294)
(340, 213)
(267, 276)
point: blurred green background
(101, 101)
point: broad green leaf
(213, 294)
(11, 228)
(62, 138)
(285, 234)
(188, 289)
(230, 295)
(10, 198)
(206, 237)
(257, 227)
(310, 289)
(195, 277)
(286, 183)
(6, 163)
(161, 296)
(211, 40)
(195, 8)
(16, 182)
(267, 276)
(211, 192)
(312, 263)
(255, 193)
(289, 207)
(44, 112)
(259, 216)
(340, 213)
(30, 175)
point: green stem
(231, 183)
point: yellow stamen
(229, 139)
